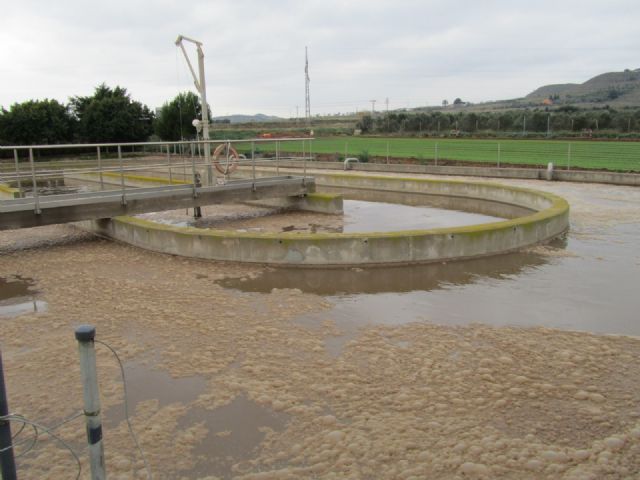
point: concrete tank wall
(550, 219)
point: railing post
(387, 153)
(569, 158)
(253, 164)
(124, 198)
(169, 166)
(85, 335)
(277, 158)
(436, 155)
(498, 154)
(7, 458)
(35, 183)
(304, 164)
(100, 169)
(193, 173)
(16, 159)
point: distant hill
(613, 88)
(257, 118)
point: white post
(36, 195)
(85, 335)
(100, 168)
(498, 154)
(16, 160)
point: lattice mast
(307, 105)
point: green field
(618, 156)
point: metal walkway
(146, 181)
(27, 212)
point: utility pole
(307, 98)
(201, 87)
(373, 106)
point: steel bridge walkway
(48, 210)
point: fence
(615, 156)
(63, 169)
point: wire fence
(615, 156)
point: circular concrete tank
(546, 216)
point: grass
(616, 156)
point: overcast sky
(411, 52)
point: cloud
(413, 52)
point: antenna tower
(307, 105)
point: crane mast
(201, 87)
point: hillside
(613, 88)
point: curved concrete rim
(549, 220)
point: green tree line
(110, 115)
(566, 120)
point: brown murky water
(17, 297)
(359, 216)
(482, 369)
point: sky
(413, 53)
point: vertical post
(7, 459)
(169, 167)
(436, 154)
(387, 153)
(524, 125)
(124, 198)
(253, 163)
(85, 335)
(193, 175)
(277, 158)
(569, 157)
(100, 169)
(346, 149)
(549, 125)
(304, 164)
(498, 154)
(16, 159)
(35, 182)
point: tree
(36, 122)
(365, 124)
(457, 101)
(110, 115)
(174, 121)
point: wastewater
(18, 296)
(585, 282)
(359, 216)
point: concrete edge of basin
(550, 219)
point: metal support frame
(85, 335)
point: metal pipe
(85, 335)
(253, 164)
(35, 183)
(277, 159)
(7, 458)
(169, 166)
(100, 169)
(124, 197)
(16, 158)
